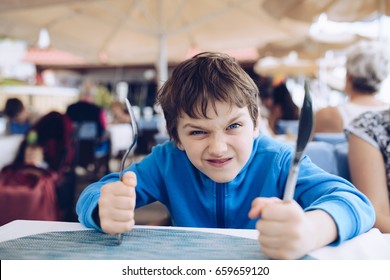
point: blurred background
(61, 43)
(49, 50)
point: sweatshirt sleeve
(149, 188)
(351, 210)
(88, 201)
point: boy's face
(220, 145)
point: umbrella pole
(382, 13)
(162, 66)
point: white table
(121, 136)
(9, 145)
(369, 246)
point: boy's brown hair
(205, 79)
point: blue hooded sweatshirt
(194, 200)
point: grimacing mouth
(221, 160)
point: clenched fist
(117, 203)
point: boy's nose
(217, 146)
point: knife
(305, 129)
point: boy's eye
(197, 132)
(234, 125)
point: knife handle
(119, 238)
(291, 183)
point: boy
(220, 172)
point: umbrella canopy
(336, 10)
(305, 46)
(290, 66)
(144, 31)
(51, 56)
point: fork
(134, 129)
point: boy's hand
(285, 231)
(117, 203)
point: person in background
(34, 153)
(369, 161)
(119, 113)
(48, 145)
(91, 134)
(280, 105)
(369, 152)
(220, 172)
(365, 71)
(85, 110)
(19, 119)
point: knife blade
(305, 129)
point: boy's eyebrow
(194, 126)
(233, 119)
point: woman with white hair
(367, 67)
(369, 148)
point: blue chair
(91, 149)
(287, 127)
(323, 155)
(332, 138)
(333, 158)
(341, 151)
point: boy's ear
(257, 127)
(179, 146)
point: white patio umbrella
(306, 46)
(336, 10)
(144, 31)
(289, 66)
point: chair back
(91, 148)
(332, 138)
(333, 158)
(86, 138)
(287, 127)
(341, 151)
(323, 155)
(87, 131)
